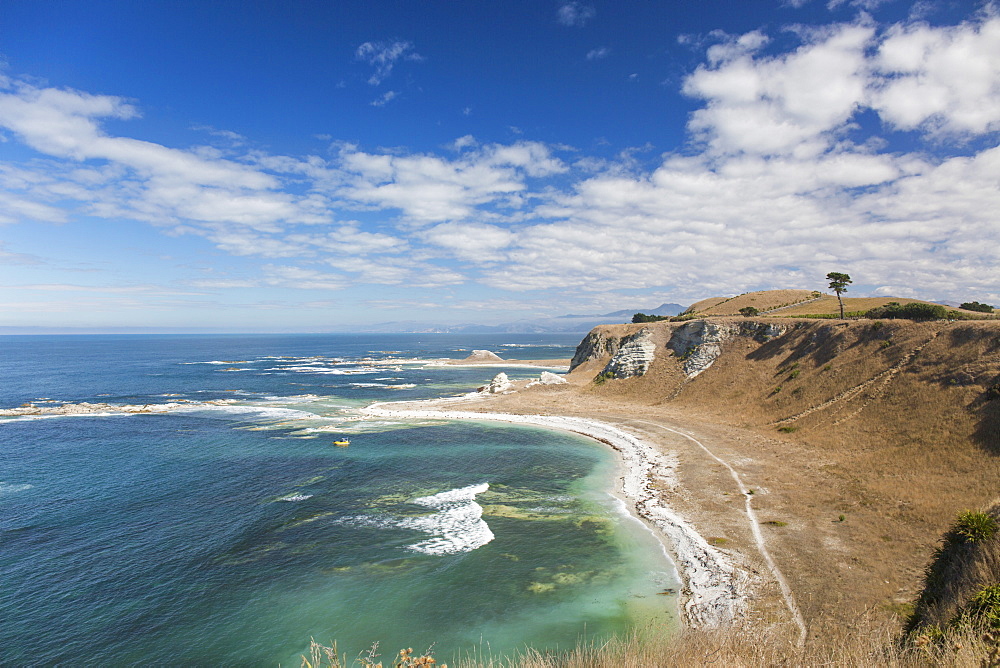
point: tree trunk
(841, 306)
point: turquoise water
(230, 534)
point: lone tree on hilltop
(839, 283)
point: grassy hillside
(879, 432)
(764, 300)
(797, 304)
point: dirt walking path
(786, 590)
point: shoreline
(713, 591)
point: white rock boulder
(548, 378)
(500, 383)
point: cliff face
(699, 342)
(600, 343)
(633, 358)
(819, 376)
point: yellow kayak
(342, 442)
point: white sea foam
(296, 497)
(294, 399)
(458, 526)
(218, 362)
(13, 488)
(26, 418)
(321, 430)
(264, 412)
(324, 370)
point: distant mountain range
(555, 324)
(662, 309)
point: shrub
(984, 606)
(600, 378)
(749, 311)
(912, 311)
(787, 429)
(976, 306)
(642, 317)
(973, 526)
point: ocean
(229, 530)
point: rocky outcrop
(86, 408)
(500, 383)
(598, 344)
(633, 358)
(548, 378)
(697, 343)
(482, 357)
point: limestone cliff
(634, 356)
(698, 342)
(601, 343)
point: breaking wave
(458, 526)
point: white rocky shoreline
(714, 589)
(100, 408)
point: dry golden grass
(797, 303)
(827, 304)
(887, 424)
(762, 301)
(869, 641)
(965, 564)
(700, 306)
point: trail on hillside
(786, 590)
(787, 306)
(885, 377)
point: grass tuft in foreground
(321, 656)
(871, 641)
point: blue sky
(321, 165)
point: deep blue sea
(230, 532)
